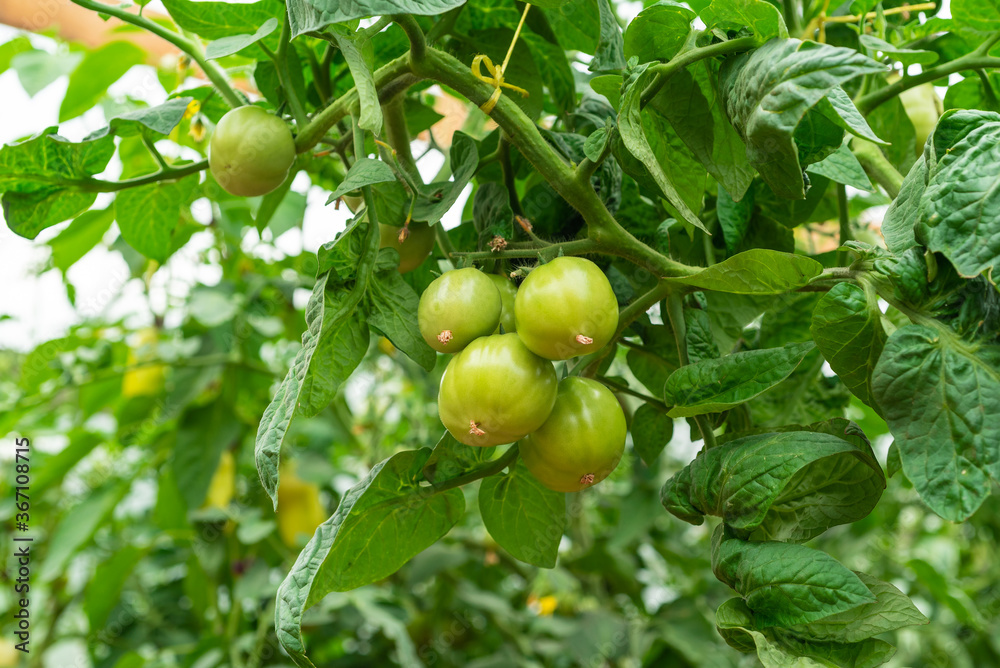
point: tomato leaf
(230, 44)
(392, 312)
(610, 54)
(380, 524)
(715, 385)
(464, 156)
(784, 584)
(360, 57)
(96, 72)
(312, 16)
(757, 271)
(761, 17)
(148, 215)
(523, 516)
(941, 400)
(769, 91)
(651, 430)
(847, 329)
(790, 486)
(219, 20)
(364, 172)
(658, 32)
(104, 590)
(841, 166)
(450, 459)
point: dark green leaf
(734, 217)
(942, 402)
(769, 91)
(202, 436)
(381, 523)
(651, 430)
(464, 157)
(787, 486)
(360, 59)
(523, 516)
(847, 329)
(311, 16)
(450, 459)
(785, 584)
(393, 314)
(757, 271)
(610, 54)
(718, 384)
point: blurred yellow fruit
(923, 107)
(299, 508)
(9, 655)
(385, 345)
(147, 379)
(544, 606)
(223, 485)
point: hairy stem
(503, 154)
(575, 247)
(99, 186)
(845, 221)
(210, 68)
(418, 43)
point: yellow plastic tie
(496, 73)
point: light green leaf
(761, 17)
(381, 523)
(899, 54)
(785, 584)
(37, 177)
(98, 70)
(658, 32)
(981, 16)
(85, 232)
(230, 44)
(769, 91)
(10, 49)
(78, 526)
(312, 16)
(719, 384)
(218, 20)
(841, 166)
(104, 590)
(789, 486)
(161, 119)
(630, 127)
(960, 207)
(360, 57)
(891, 610)
(36, 69)
(756, 271)
(941, 400)
(847, 329)
(523, 516)
(148, 215)
(363, 172)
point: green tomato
(496, 391)
(458, 307)
(414, 250)
(923, 106)
(566, 308)
(582, 441)
(508, 291)
(251, 152)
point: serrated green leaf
(757, 271)
(148, 215)
(719, 384)
(769, 91)
(523, 516)
(784, 584)
(363, 172)
(380, 524)
(658, 32)
(847, 329)
(788, 486)
(761, 17)
(941, 400)
(393, 314)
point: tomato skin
(496, 391)
(458, 307)
(583, 437)
(508, 292)
(564, 304)
(414, 250)
(250, 152)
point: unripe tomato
(414, 250)
(566, 308)
(923, 107)
(457, 307)
(299, 508)
(251, 152)
(223, 485)
(496, 391)
(582, 441)
(508, 291)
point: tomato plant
(743, 254)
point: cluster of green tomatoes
(501, 384)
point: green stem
(285, 77)
(586, 168)
(877, 166)
(314, 131)
(444, 242)
(375, 28)
(665, 70)
(398, 136)
(626, 317)
(151, 147)
(321, 80)
(444, 25)
(210, 68)
(489, 468)
(509, 178)
(618, 387)
(575, 247)
(970, 61)
(98, 186)
(418, 43)
(675, 312)
(845, 221)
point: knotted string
(496, 73)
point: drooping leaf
(380, 524)
(360, 59)
(788, 486)
(522, 515)
(393, 313)
(784, 584)
(610, 54)
(941, 400)
(715, 385)
(769, 91)
(651, 430)
(230, 44)
(757, 271)
(847, 329)
(464, 156)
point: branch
(666, 70)
(877, 166)
(398, 135)
(618, 387)
(99, 186)
(418, 43)
(210, 68)
(489, 468)
(575, 247)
